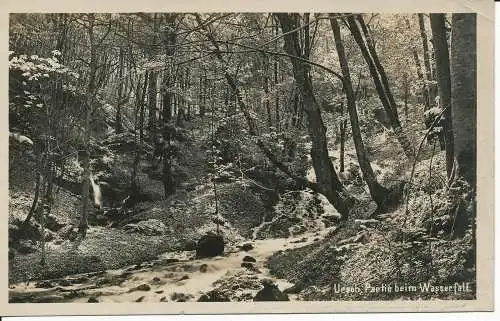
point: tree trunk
(140, 105)
(326, 176)
(444, 83)
(381, 71)
(420, 75)
(343, 127)
(277, 98)
(463, 88)
(382, 93)
(267, 103)
(427, 60)
(118, 119)
(152, 77)
(90, 99)
(168, 128)
(377, 191)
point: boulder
(44, 285)
(210, 245)
(52, 224)
(68, 232)
(249, 258)
(26, 246)
(270, 292)
(246, 247)
(142, 287)
(213, 296)
(180, 297)
(148, 227)
(250, 266)
(12, 253)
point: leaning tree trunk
(377, 191)
(326, 176)
(339, 197)
(463, 88)
(381, 71)
(381, 91)
(343, 127)
(444, 83)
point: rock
(184, 277)
(142, 287)
(156, 280)
(140, 299)
(148, 227)
(101, 220)
(64, 282)
(299, 229)
(294, 289)
(68, 232)
(49, 236)
(203, 268)
(52, 224)
(125, 275)
(249, 259)
(210, 245)
(93, 300)
(12, 253)
(270, 292)
(163, 299)
(180, 297)
(159, 292)
(26, 247)
(250, 266)
(79, 280)
(246, 247)
(213, 296)
(302, 240)
(44, 285)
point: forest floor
(303, 250)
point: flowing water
(166, 277)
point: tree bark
(343, 127)
(118, 119)
(444, 83)
(168, 128)
(381, 71)
(420, 75)
(152, 78)
(463, 88)
(277, 98)
(427, 60)
(90, 99)
(267, 102)
(377, 191)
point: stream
(176, 276)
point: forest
(216, 157)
